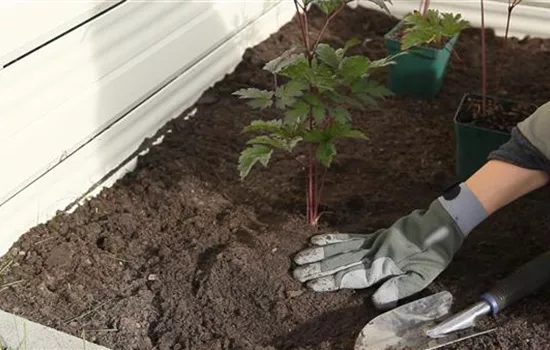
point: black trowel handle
(526, 280)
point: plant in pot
(482, 122)
(315, 87)
(429, 37)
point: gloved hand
(406, 257)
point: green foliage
(432, 28)
(316, 99)
(316, 89)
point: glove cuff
(463, 207)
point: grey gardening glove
(406, 257)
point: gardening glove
(406, 257)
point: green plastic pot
(419, 73)
(474, 143)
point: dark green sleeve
(529, 145)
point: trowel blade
(404, 326)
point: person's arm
(498, 183)
(520, 166)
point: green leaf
(276, 142)
(315, 136)
(298, 69)
(322, 78)
(268, 141)
(259, 99)
(318, 113)
(337, 130)
(354, 67)
(328, 55)
(433, 27)
(354, 134)
(271, 126)
(312, 99)
(370, 87)
(252, 155)
(341, 115)
(383, 62)
(349, 44)
(325, 153)
(288, 93)
(328, 6)
(277, 64)
(298, 113)
(452, 24)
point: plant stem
(425, 7)
(483, 62)
(326, 25)
(511, 5)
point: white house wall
(24, 26)
(75, 109)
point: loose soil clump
(179, 254)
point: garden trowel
(427, 324)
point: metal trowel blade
(404, 326)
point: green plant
(315, 86)
(430, 27)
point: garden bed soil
(180, 254)
(500, 115)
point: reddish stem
(483, 61)
(426, 6)
(326, 24)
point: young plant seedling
(432, 27)
(315, 87)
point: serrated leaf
(271, 126)
(298, 69)
(452, 24)
(384, 62)
(326, 54)
(371, 88)
(325, 153)
(288, 93)
(366, 99)
(318, 113)
(349, 44)
(275, 142)
(259, 99)
(298, 113)
(354, 67)
(328, 6)
(277, 64)
(315, 136)
(421, 30)
(311, 99)
(340, 115)
(252, 155)
(322, 78)
(353, 102)
(337, 130)
(354, 134)
(268, 141)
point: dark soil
(181, 255)
(500, 115)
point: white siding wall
(73, 110)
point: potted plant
(482, 122)
(315, 87)
(429, 37)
